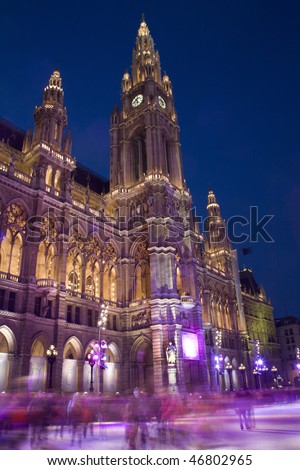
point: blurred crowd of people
(146, 418)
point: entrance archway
(37, 367)
(72, 353)
(141, 359)
(7, 346)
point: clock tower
(145, 133)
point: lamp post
(242, 370)
(228, 367)
(219, 368)
(102, 321)
(298, 360)
(264, 371)
(274, 372)
(51, 356)
(257, 371)
(256, 378)
(92, 357)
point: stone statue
(171, 354)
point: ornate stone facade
(71, 243)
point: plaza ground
(275, 426)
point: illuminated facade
(73, 244)
(260, 326)
(288, 333)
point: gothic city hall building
(84, 259)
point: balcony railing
(74, 293)
(47, 283)
(22, 176)
(187, 301)
(9, 277)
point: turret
(51, 117)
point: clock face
(161, 102)
(137, 100)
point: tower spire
(51, 117)
(145, 59)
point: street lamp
(242, 370)
(102, 321)
(274, 371)
(219, 368)
(228, 367)
(264, 370)
(298, 359)
(51, 356)
(93, 357)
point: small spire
(143, 29)
(213, 207)
(55, 79)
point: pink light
(190, 345)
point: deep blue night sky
(236, 80)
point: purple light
(190, 345)
(95, 357)
(260, 362)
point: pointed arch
(142, 281)
(45, 266)
(74, 270)
(49, 176)
(141, 360)
(57, 180)
(11, 251)
(8, 346)
(38, 347)
(10, 339)
(92, 277)
(110, 282)
(138, 153)
(73, 346)
(178, 279)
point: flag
(247, 251)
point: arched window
(142, 288)
(5, 252)
(74, 271)
(139, 155)
(11, 252)
(45, 268)
(89, 287)
(110, 283)
(48, 179)
(178, 281)
(57, 180)
(72, 281)
(92, 279)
